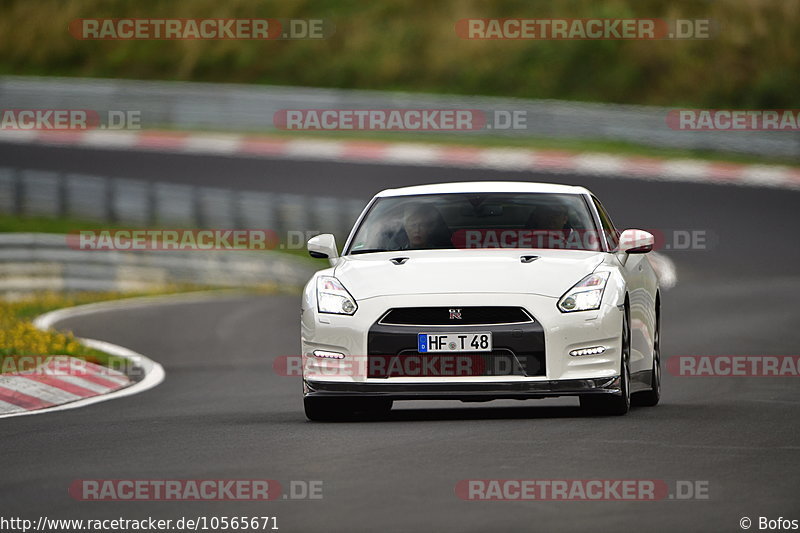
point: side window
(608, 227)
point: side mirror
(323, 246)
(636, 241)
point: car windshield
(476, 220)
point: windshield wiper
(370, 251)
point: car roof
(484, 186)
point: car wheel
(651, 397)
(615, 404)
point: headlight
(332, 297)
(584, 295)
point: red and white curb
(29, 393)
(389, 153)
(60, 380)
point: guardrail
(119, 201)
(228, 107)
(43, 261)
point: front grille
(441, 316)
(518, 350)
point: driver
(550, 227)
(549, 218)
(425, 228)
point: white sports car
(478, 291)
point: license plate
(454, 342)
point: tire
(615, 404)
(651, 397)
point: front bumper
(551, 370)
(465, 391)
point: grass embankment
(411, 45)
(19, 337)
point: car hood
(465, 271)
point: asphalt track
(223, 413)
